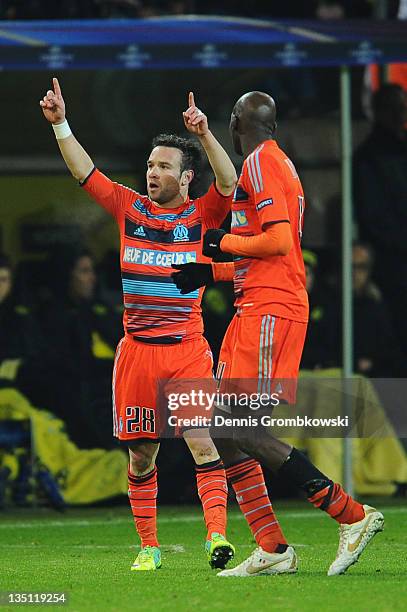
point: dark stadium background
(115, 115)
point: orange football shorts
(139, 408)
(261, 354)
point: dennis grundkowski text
(175, 420)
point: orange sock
(247, 480)
(320, 490)
(338, 504)
(213, 493)
(143, 501)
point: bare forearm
(78, 161)
(220, 162)
(75, 156)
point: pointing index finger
(57, 88)
(191, 100)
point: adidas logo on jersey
(139, 231)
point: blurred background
(60, 286)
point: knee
(229, 451)
(245, 442)
(142, 459)
(203, 449)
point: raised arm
(75, 156)
(197, 123)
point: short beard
(166, 195)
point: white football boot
(354, 538)
(262, 563)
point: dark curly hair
(191, 153)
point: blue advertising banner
(197, 42)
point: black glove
(211, 242)
(192, 276)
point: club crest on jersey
(139, 231)
(239, 218)
(180, 232)
(264, 203)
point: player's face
(5, 283)
(164, 176)
(83, 279)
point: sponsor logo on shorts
(264, 203)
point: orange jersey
(269, 191)
(152, 239)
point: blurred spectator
(82, 333)
(217, 308)
(21, 342)
(330, 9)
(110, 277)
(74, 9)
(180, 7)
(111, 9)
(344, 9)
(376, 75)
(46, 9)
(376, 350)
(380, 191)
(320, 350)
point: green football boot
(219, 551)
(148, 559)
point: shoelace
(252, 557)
(217, 538)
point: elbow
(226, 187)
(285, 246)
(82, 174)
(286, 240)
(284, 251)
(77, 175)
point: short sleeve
(214, 207)
(112, 196)
(265, 182)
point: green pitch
(87, 553)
